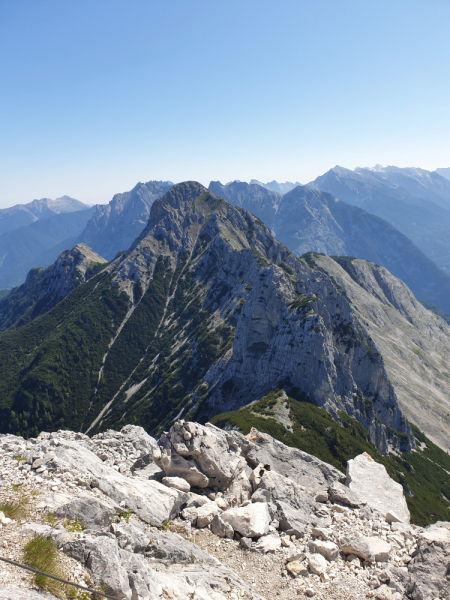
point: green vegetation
(42, 553)
(13, 509)
(302, 303)
(424, 474)
(346, 262)
(4, 293)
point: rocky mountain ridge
(276, 523)
(308, 220)
(44, 288)
(274, 186)
(114, 226)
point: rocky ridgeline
(209, 514)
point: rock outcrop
(107, 522)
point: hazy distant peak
(275, 186)
(445, 172)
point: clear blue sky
(96, 95)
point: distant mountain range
(306, 219)
(38, 244)
(21, 215)
(414, 201)
(444, 172)
(274, 186)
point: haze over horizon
(98, 96)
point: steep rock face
(114, 226)
(414, 343)
(308, 220)
(426, 223)
(208, 312)
(44, 288)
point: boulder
(200, 454)
(252, 520)
(284, 489)
(370, 479)
(262, 496)
(328, 550)
(429, 569)
(221, 528)
(317, 564)
(177, 483)
(357, 546)
(303, 468)
(206, 513)
(268, 543)
(239, 490)
(379, 548)
(291, 520)
(90, 512)
(341, 493)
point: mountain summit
(205, 312)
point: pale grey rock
(322, 532)
(304, 469)
(90, 512)
(291, 520)
(284, 489)
(392, 517)
(205, 459)
(170, 548)
(341, 493)
(131, 493)
(177, 483)
(58, 534)
(240, 489)
(317, 564)
(252, 520)
(246, 542)
(143, 580)
(370, 479)
(206, 513)
(327, 549)
(262, 495)
(221, 528)
(359, 546)
(379, 548)
(268, 543)
(24, 594)
(101, 555)
(131, 536)
(429, 569)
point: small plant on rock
(125, 515)
(165, 526)
(42, 553)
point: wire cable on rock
(81, 587)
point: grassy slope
(423, 474)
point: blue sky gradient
(97, 95)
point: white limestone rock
(328, 550)
(252, 520)
(176, 483)
(371, 480)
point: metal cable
(16, 564)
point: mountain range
(305, 219)
(274, 186)
(444, 172)
(415, 202)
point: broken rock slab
(90, 513)
(341, 493)
(370, 479)
(357, 546)
(328, 550)
(252, 520)
(177, 483)
(268, 543)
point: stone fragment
(291, 520)
(246, 542)
(297, 568)
(358, 546)
(252, 520)
(206, 513)
(321, 496)
(177, 483)
(268, 543)
(379, 548)
(262, 496)
(392, 517)
(317, 564)
(221, 528)
(370, 479)
(328, 550)
(170, 548)
(341, 493)
(90, 512)
(299, 556)
(322, 532)
(143, 580)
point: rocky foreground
(207, 514)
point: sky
(96, 95)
